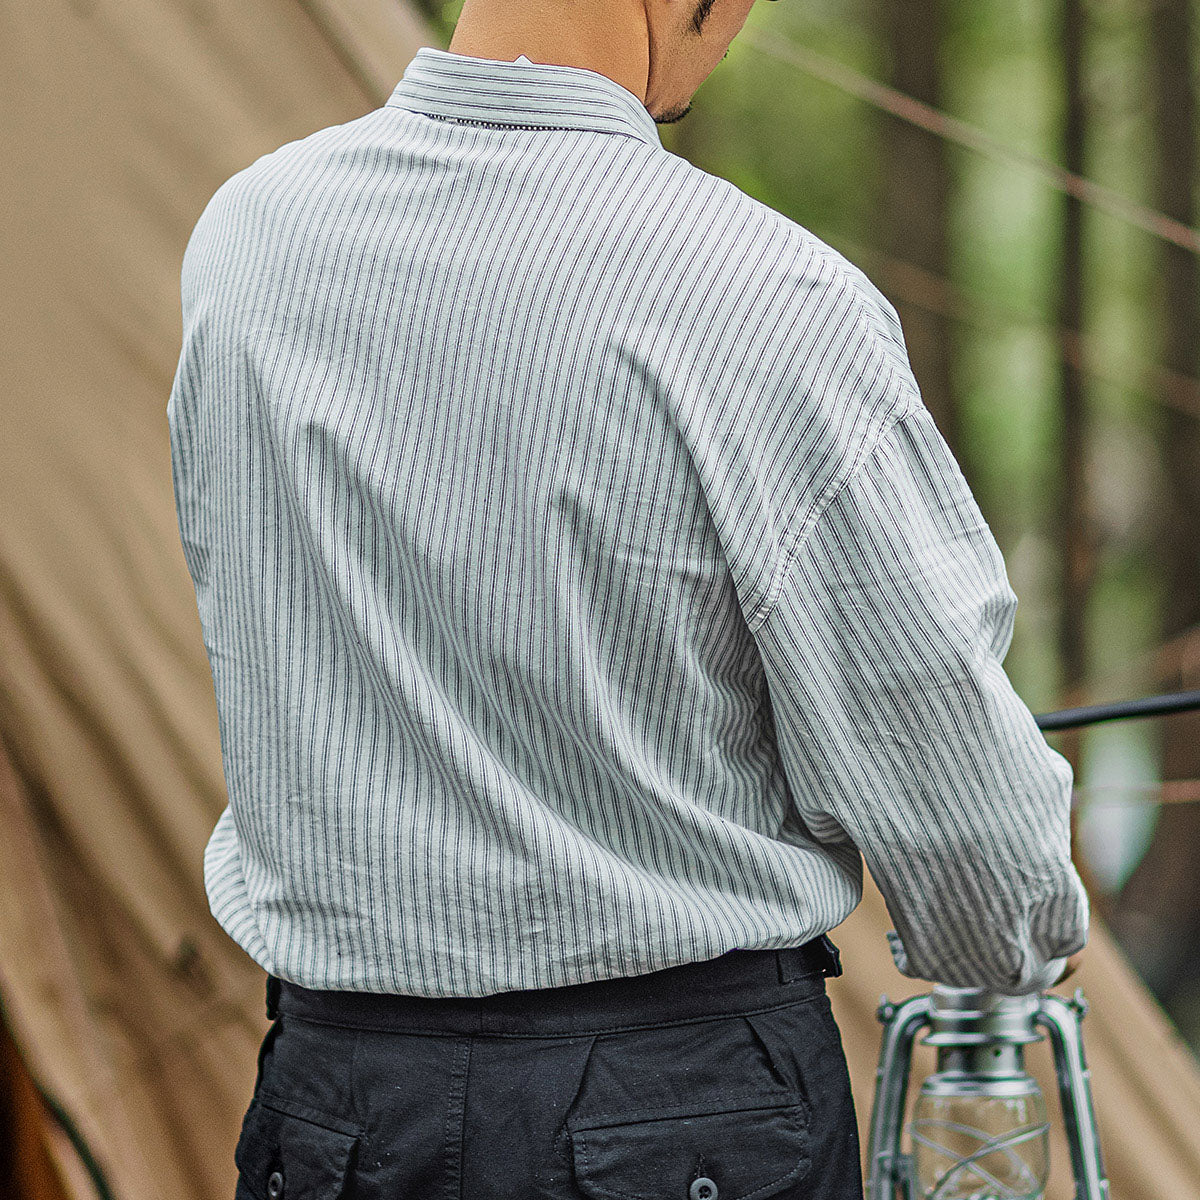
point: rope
(926, 117)
(936, 294)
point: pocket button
(702, 1189)
(275, 1185)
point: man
(587, 592)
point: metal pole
(1149, 706)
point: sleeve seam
(838, 485)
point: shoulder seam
(866, 452)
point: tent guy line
(925, 116)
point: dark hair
(701, 15)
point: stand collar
(440, 83)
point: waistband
(737, 981)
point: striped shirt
(586, 587)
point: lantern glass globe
(980, 1139)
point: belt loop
(799, 962)
(272, 997)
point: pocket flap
(307, 1160)
(750, 1154)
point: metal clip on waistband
(830, 954)
(817, 956)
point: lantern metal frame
(892, 1172)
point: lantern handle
(1060, 1018)
(891, 1170)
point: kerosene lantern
(980, 1129)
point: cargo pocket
(697, 1110)
(297, 1154)
(726, 1150)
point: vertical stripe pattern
(585, 587)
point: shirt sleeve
(900, 732)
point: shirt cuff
(1042, 980)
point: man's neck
(611, 38)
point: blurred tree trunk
(915, 200)
(1076, 544)
(1159, 919)
(1076, 553)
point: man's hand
(1069, 968)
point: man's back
(506, 451)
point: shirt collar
(440, 83)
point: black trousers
(716, 1080)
